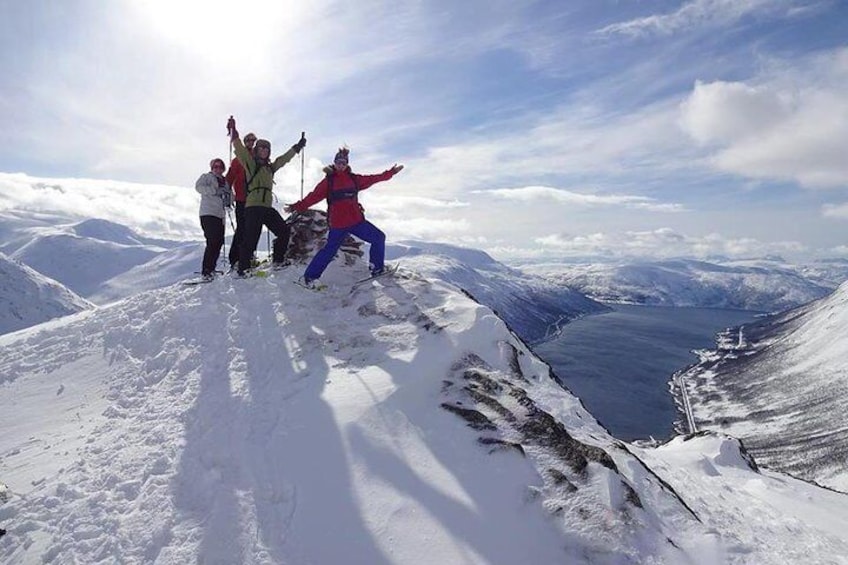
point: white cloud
(789, 125)
(662, 243)
(839, 211)
(153, 210)
(403, 227)
(531, 193)
(698, 14)
(722, 112)
(405, 203)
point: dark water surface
(619, 363)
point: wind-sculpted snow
(758, 286)
(782, 386)
(252, 421)
(28, 298)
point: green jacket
(260, 189)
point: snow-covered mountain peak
(28, 298)
(104, 230)
(243, 420)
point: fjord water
(619, 363)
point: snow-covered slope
(251, 421)
(81, 263)
(164, 269)
(532, 306)
(764, 286)
(82, 255)
(782, 386)
(28, 298)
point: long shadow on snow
(481, 525)
(250, 462)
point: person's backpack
(267, 189)
(346, 194)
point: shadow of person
(264, 468)
(206, 484)
(473, 508)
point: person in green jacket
(259, 209)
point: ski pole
(302, 157)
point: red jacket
(237, 177)
(343, 212)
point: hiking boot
(310, 283)
(206, 277)
(277, 265)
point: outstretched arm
(318, 193)
(366, 181)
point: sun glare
(218, 30)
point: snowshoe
(388, 270)
(313, 285)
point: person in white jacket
(215, 196)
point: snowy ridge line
(662, 481)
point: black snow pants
(256, 217)
(213, 231)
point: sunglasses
(250, 140)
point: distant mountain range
(103, 262)
(767, 285)
(533, 306)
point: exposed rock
(309, 234)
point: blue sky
(529, 129)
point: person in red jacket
(340, 188)
(237, 177)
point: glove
(231, 129)
(396, 169)
(227, 198)
(300, 144)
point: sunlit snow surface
(256, 422)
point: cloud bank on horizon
(527, 129)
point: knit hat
(260, 143)
(342, 156)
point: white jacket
(211, 199)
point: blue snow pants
(366, 231)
